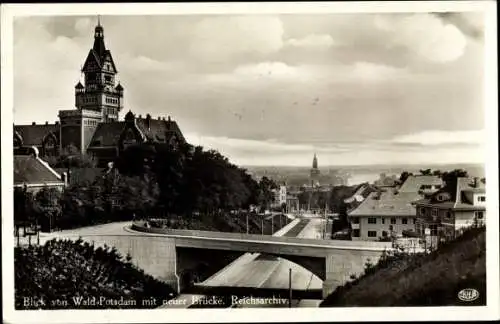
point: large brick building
(93, 127)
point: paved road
(265, 271)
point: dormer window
(481, 198)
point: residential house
(448, 211)
(389, 212)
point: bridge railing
(142, 227)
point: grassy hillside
(67, 274)
(421, 280)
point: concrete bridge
(169, 254)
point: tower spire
(99, 46)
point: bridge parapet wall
(268, 238)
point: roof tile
(388, 204)
(34, 134)
(31, 170)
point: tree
(426, 172)
(451, 178)
(404, 176)
(48, 208)
(24, 206)
(266, 187)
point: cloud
(217, 38)
(375, 72)
(470, 23)
(425, 35)
(315, 41)
(438, 137)
(83, 26)
(146, 64)
(268, 69)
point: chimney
(159, 118)
(57, 122)
(64, 178)
(169, 119)
(46, 122)
(33, 123)
(476, 182)
(140, 117)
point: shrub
(64, 270)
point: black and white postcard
(249, 161)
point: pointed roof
(98, 53)
(79, 85)
(29, 169)
(35, 134)
(99, 46)
(315, 162)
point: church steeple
(315, 162)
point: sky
(355, 89)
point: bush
(68, 270)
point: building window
(355, 233)
(448, 214)
(481, 198)
(383, 220)
(404, 221)
(422, 211)
(414, 221)
(479, 214)
(434, 212)
(355, 220)
(437, 186)
(393, 220)
(372, 233)
(372, 220)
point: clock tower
(98, 100)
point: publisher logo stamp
(468, 294)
